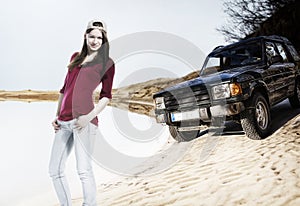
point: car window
(272, 53)
(270, 50)
(282, 52)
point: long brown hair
(101, 57)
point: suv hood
(212, 79)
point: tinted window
(241, 55)
(270, 50)
(282, 52)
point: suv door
(288, 74)
(277, 73)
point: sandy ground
(217, 170)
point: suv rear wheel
(183, 136)
(295, 99)
(256, 119)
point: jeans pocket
(93, 128)
(59, 121)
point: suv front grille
(187, 98)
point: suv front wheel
(256, 119)
(183, 136)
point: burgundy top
(79, 86)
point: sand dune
(216, 170)
(234, 171)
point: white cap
(96, 24)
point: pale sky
(37, 37)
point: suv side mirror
(276, 59)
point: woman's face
(94, 40)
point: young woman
(76, 116)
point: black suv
(239, 82)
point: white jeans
(64, 140)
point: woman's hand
(55, 125)
(82, 122)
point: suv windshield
(233, 57)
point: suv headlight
(160, 103)
(223, 91)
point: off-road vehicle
(238, 82)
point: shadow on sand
(280, 115)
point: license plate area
(181, 116)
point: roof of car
(243, 41)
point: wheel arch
(260, 87)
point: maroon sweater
(79, 86)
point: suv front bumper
(203, 114)
(227, 109)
